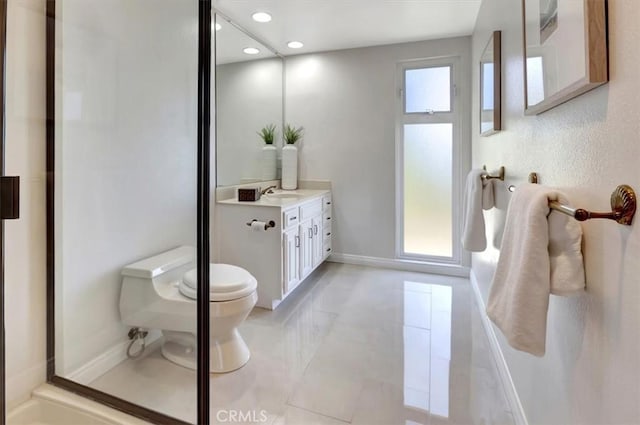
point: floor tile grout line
(319, 414)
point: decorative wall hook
(500, 175)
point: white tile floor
(354, 345)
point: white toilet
(160, 293)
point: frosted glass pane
(428, 89)
(427, 189)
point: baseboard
(503, 369)
(405, 265)
(106, 361)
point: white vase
(269, 164)
(289, 167)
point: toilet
(160, 292)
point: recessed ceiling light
(295, 44)
(251, 50)
(218, 27)
(261, 17)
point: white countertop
(281, 198)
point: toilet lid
(226, 283)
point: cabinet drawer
(326, 248)
(326, 203)
(326, 219)
(326, 230)
(290, 218)
(310, 209)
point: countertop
(280, 199)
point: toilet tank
(149, 287)
(152, 267)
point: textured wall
(587, 147)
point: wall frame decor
(565, 50)
(491, 86)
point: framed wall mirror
(565, 50)
(249, 97)
(491, 86)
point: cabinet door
(291, 257)
(317, 240)
(306, 248)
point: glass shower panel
(126, 90)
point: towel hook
(500, 175)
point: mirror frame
(496, 39)
(596, 67)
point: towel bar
(623, 205)
(500, 175)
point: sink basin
(283, 195)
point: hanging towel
(478, 195)
(540, 254)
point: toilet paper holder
(267, 225)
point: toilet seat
(226, 283)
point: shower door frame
(203, 227)
(3, 55)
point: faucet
(268, 190)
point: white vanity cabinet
(281, 257)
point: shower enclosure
(128, 177)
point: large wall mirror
(249, 97)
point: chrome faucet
(268, 190)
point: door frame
(3, 55)
(456, 264)
(203, 226)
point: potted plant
(268, 134)
(292, 134)
(269, 152)
(290, 157)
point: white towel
(540, 254)
(478, 195)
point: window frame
(454, 116)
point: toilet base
(226, 352)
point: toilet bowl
(160, 292)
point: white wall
(25, 266)
(125, 157)
(249, 97)
(587, 147)
(346, 100)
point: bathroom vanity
(282, 256)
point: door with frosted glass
(427, 147)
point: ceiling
(324, 25)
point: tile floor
(354, 345)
